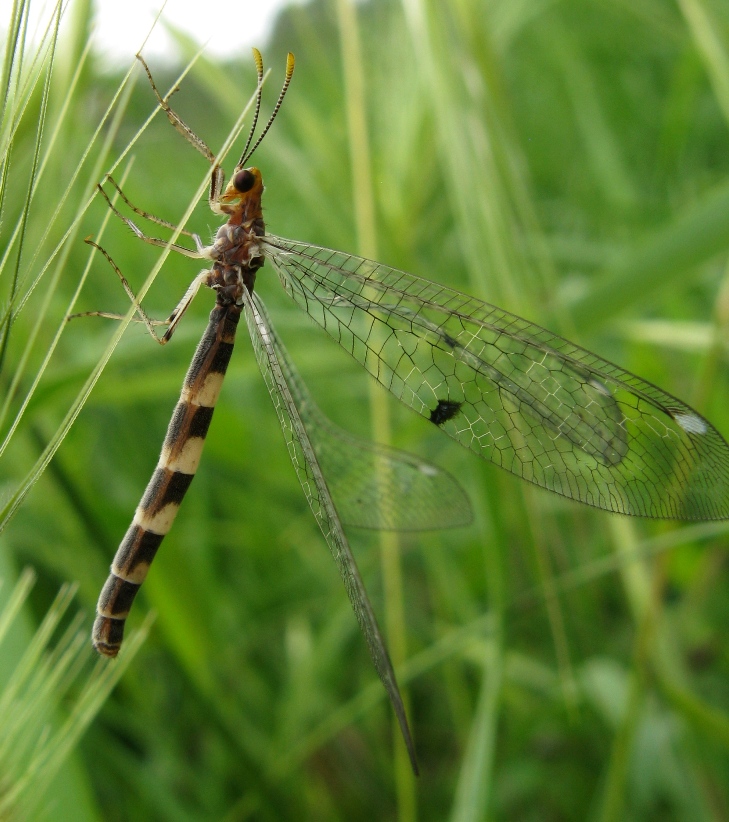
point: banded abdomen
(176, 467)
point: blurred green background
(567, 161)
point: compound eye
(244, 180)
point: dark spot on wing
(450, 341)
(444, 411)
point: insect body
(511, 392)
(237, 256)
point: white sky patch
(230, 27)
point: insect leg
(197, 142)
(171, 322)
(198, 254)
(217, 177)
(152, 217)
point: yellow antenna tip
(258, 60)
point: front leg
(217, 177)
(197, 142)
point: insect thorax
(237, 255)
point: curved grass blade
(48, 699)
(317, 494)
(512, 392)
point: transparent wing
(316, 491)
(374, 486)
(512, 392)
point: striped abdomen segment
(176, 467)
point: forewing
(316, 491)
(512, 392)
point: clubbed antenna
(287, 79)
(259, 69)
